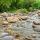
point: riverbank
(20, 26)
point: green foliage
(5, 5)
(24, 3)
(22, 10)
(20, 3)
(36, 4)
(11, 5)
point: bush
(22, 11)
(36, 4)
(5, 5)
(11, 5)
(24, 3)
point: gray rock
(36, 27)
(39, 13)
(7, 38)
(4, 34)
(36, 22)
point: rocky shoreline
(20, 27)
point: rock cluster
(5, 22)
(36, 23)
(19, 27)
(11, 18)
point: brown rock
(5, 23)
(33, 35)
(34, 26)
(12, 19)
(23, 17)
(16, 39)
(36, 22)
(27, 39)
(4, 14)
(38, 13)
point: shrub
(11, 5)
(36, 4)
(5, 5)
(22, 11)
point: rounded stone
(36, 22)
(8, 38)
(4, 34)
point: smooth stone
(36, 22)
(5, 23)
(8, 38)
(27, 39)
(38, 13)
(12, 19)
(33, 35)
(4, 14)
(24, 17)
(36, 28)
(16, 39)
(33, 26)
(4, 34)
